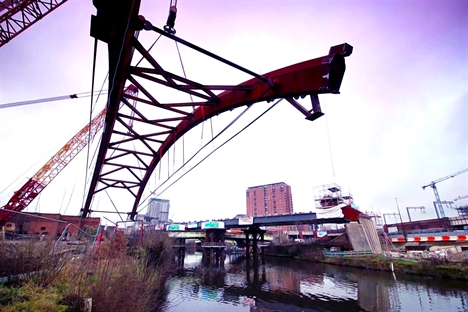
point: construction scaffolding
(330, 195)
(462, 210)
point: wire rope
(232, 137)
(329, 143)
(115, 73)
(200, 149)
(224, 143)
(49, 99)
(91, 106)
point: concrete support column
(213, 247)
(254, 238)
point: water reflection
(285, 285)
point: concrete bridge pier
(254, 245)
(179, 246)
(214, 247)
(255, 279)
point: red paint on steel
(316, 76)
(22, 15)
(350, 213)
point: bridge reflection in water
(287, 285)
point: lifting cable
(51, 99)
(91, 106)
(194, 155)
(224, 143)
(71, 196)
(329, 142)
(141, 59)
(191, 98)
(63, 198)
(112, 85)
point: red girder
(313, 77)
(22, 14)
(152, 128)
(292, 81)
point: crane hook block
(169, 28)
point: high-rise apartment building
(158, 210)
(269, 200)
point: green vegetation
(30, 297)
(116, 276)
(429, 267)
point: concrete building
(158, 210)
(269, 200)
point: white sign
(392, 229)
(212, 225)
(245, 220)
(192, 225)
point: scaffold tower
(330, 195)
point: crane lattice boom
(461, 197)
(444, 178)
(19, 15)
(438, 204)
(34, 186)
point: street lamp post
(401, 220)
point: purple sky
(400, 122)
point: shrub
(108, 274)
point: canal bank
(426, 267)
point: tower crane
(35, 185)
(439, 209)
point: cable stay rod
(149, 26)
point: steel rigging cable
(51, 99)
(196, 165)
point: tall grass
(31, 260)
(113, 278)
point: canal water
(288, 285)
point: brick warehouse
(36, 224)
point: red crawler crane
(34, 186)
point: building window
(43, 228)
(247, 193)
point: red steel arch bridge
(139, 127)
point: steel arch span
(139, 130)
